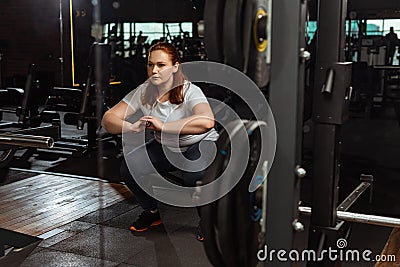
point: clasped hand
(152, 123)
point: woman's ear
(175, 67)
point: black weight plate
(257, 68)
(247, 29)
(208, 213)
(236, 232)
(233, 34)
(213, 28)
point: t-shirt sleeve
(194, 96)
(134, 98)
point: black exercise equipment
(332, 95)
(26, 132)
(27, 102)
(228, 241)
(236, 34)
(193, 50)
(13, 138)
(10, 98)
(286, 228)
(64, 99)
(258, 65)
(10, 142)
(80, 105)
(331, 100)
(213, 29)
(26, 140)
(23, 112)
(246, 29)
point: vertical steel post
(330, 50)
(286, 100)
(98, 74)
(61, 45)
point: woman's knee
(144, 160)
(127, 177)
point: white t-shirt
(168, 112)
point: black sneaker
(199, 234)
(146, 219)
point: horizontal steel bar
(360, 218)
(26, 140)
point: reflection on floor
(42, 203)
(85, 223)
(102, 238)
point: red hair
(175, 94)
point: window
(126, 34)
(153, 31)
(382, 26)
(395, 23)
(353, 31)
(311, 28)
(178, 28)
(374, 27)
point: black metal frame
(286, 89)
(331, 99)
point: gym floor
(80, 234)
(84, 220)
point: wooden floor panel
(42, 203)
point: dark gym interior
(329, 70)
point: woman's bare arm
(200, 122)
(114, 120)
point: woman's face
(160, 68)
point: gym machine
(26, 132)
(231, 242)
(28, 100)
(237, 33)
(80, 105)
(79, 108)
(286, 226)
(288, 58)
(332, 92)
